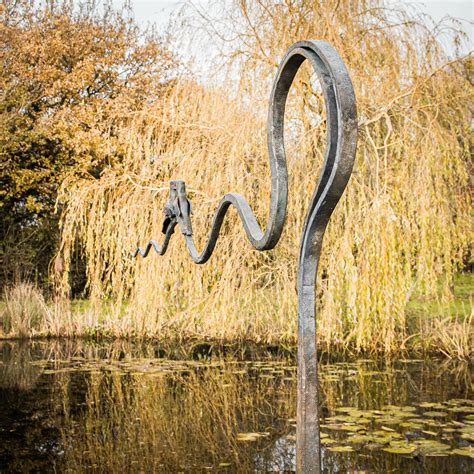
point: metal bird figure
(179, 207)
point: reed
(24, 310)
(455, 339)
(26, 313)
(402, 223)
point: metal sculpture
(339, 159)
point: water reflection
(79, 406)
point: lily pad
(341, 449)
(462, 409)
(431, 447)
(435, 414)
(431, 405)
(409, 424)
(328, 441)
(359, 438)
(467, 451)
(387, 434)
(400, 449)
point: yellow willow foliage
(403, 222)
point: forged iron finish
(338, 163)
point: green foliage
(459, 305)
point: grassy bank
(438, 325)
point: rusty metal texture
(341, 117)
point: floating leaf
(449, 430)
(328, 441)
(381, 440)
(373, 446)
(435, 423)
(462, 409)
(467, 430)
(435, 414)
(467, 451)
(359, 438)
(341, 449)
(400, 449)
(431, 405)
(409, 424)
(351, 427)
(391, 420)
(460, 401)
(388, 434)
(431, 447)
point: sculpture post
(341, 118)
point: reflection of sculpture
(339, 159)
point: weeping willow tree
(402, 224)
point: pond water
(81, 406)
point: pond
(74, 406)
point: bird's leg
(182, 207)
(169, 210)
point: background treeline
(100, 129)
(70, 74)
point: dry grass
(403, 222)
(455, 339)
(25, 313)
(24, 310)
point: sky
(159, 11)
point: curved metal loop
(338, 163)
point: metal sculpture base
(340, 151)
